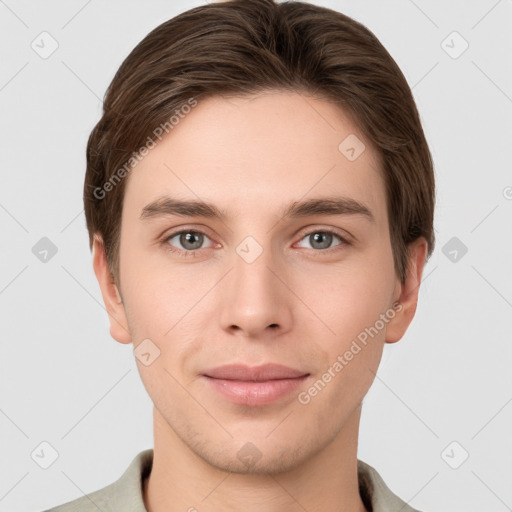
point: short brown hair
(240, 47)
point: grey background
(64, 380)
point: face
(290, 264)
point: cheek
(350, 298)
(352, 307)
(157, 296)
(350, 302)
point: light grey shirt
(126, 493)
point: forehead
(260, 151)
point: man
(259, 197)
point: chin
(255, 458)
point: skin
(251, 156)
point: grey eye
(321, 239)
(189, 240)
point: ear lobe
(408, 292)
(111, 297)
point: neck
(182, 481)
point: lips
(261, 373)
(254, 385)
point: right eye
(190, 241)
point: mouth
(254, 386)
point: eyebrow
(167, 205)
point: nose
(255, 299)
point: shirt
(126, 493)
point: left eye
(321, 239)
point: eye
(322, 239)
(188, 241)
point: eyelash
(192, 253)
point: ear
(111, 297)
(406, 294)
